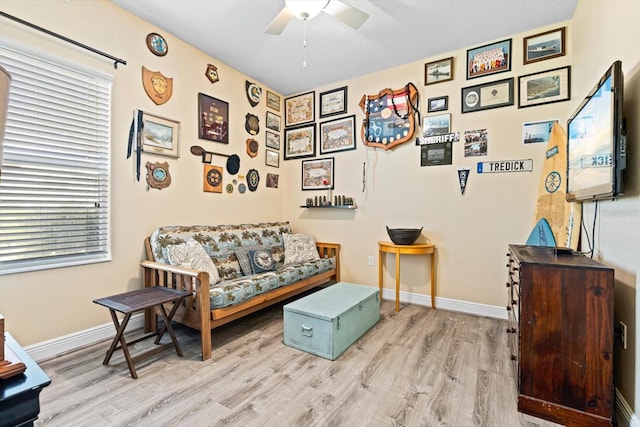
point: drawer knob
(514, 357)
(508, 308)
(508, 284)
(307, 331)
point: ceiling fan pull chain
(304, 44)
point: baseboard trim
(629, 419)
(64, 344)
(496, 312)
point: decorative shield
(157, 86)
(389, 117)
(158, 175)
(212, 73)
(253, 93)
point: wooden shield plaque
(157, 86)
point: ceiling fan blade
(279, 22)
(348, 14)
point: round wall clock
(157, 44)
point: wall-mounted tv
(596, 149)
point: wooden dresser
(560, 331)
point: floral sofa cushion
(221, 241)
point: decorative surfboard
(541, 235)
(562, 217)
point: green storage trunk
(327, 322)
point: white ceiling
(397, 32)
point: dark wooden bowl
(404, 236)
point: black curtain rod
(68, 40)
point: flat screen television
(596, 149)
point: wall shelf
(331, 207)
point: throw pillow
(261, 260)
(299, 248)
(192, 255)
(242, 253)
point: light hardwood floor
(418, 367)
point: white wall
(602, 33)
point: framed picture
(273, 121)
(338, 135)
(489, 59)
(547, 45)
(299, 109)
(272, 180)
(272, 158)
(213, 119)
(535, 132)
(438, 71)
(437, 104)
(317, 174)
(333, 102)
(300, 141)
(273, 101)
(438, 124)
(272, 140)
(159, 135)
(545, 87)
(487, 95)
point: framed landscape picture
(545, 87)
(273, 121)
(300, 141)
(160, 135)
(437, 104)
(547, 45)
(489, 59)
(299, 109)
(273, 101)
(272, 140)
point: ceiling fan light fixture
(306, 9)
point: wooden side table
(416, 249)
(141, 299)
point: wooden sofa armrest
(330, 250)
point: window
(54, 182)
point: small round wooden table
(416, 249)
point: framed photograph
(213, 117)
(272, 180)
(535, 132)
(300, 141)
(338, 135)
(545, 87)
(273, 101)
(272, 140)
(438, 71)
(437, 104)
(438, 124)
(299, 109)
(273, 121)
(333, 102)
(160, 135)
(487, 95)
(272, 158)
(547, 45)
(317, 174)
(489, 59)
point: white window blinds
(54, 182)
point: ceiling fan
(307, 9)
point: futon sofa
(247, 267)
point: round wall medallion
(253, 178)
(252, 124)
(157, 44)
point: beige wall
(618, 225)
(44, 305)
(471, 231)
